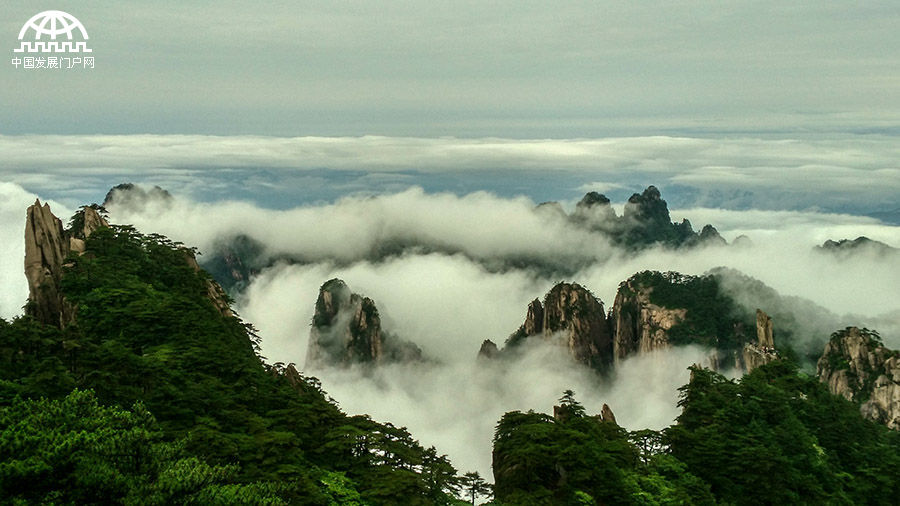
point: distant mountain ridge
(862, 244)
(644, 224)
(652, 311)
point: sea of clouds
(454, 290)
(450, 267)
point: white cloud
(860, 173)
(480, 225)
(456, 406)
(448, 304)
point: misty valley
(419, 348)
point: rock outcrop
(47, 244)
(845, 248)
(606, 414)
(762, 352)
(709, 235)
(134, 197)
(46, 248)
(346, 330)
(639, 326)
(564, 413)
(648, 210)
(488, 350)
(595, 210)
(857, 366)
(570, 316)
(645, 222)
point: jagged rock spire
(570, 315)
(46, 248)
(47, 244)
(763, 351)
(346, 329)
(857, 366)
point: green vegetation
(774, 437)
(778, 437)
(579, 459)
(153, 367)
(712, 317)
(75, 451)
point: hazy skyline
(469, 69)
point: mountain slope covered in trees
(149, 352)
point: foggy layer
(455, 406)
(483, 228)
(449, 303)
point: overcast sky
(509, 69)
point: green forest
(153, 396)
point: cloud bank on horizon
(857, 175)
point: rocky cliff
(47, 244)
(346, 330)
(652, 311)
(763, 351)
(489, 350)
(639, 326)
(572, 317)
(857, 366)
(645, 222)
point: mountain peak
(857, 366)
(47, 244)
(572, 316)
(346, 330)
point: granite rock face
(857, 366)
(572, 317)
(606, 414)
(572, 313)
(639, 325)
(346, 330)
(46, 248)
(488, 350)
(762, 352)
(47, 244)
